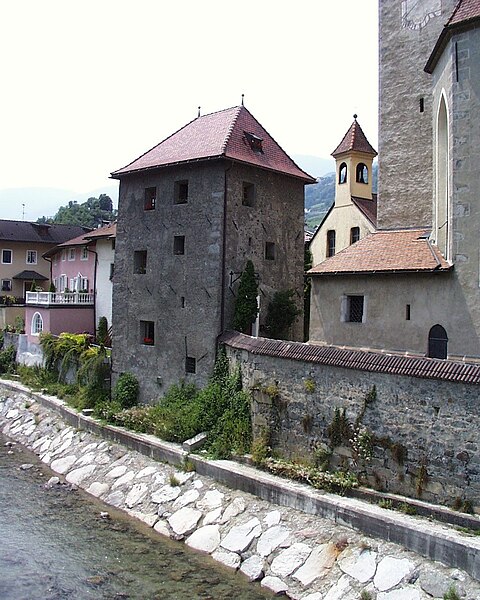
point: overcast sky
(87, 86)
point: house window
(64, 255)
(71, 254)
(84, 254)
(37, 324)
(181, 192)
(31, 257)
(362, 173)
(147, 333)
(248, 194)
(354, 309)
(190, 364)
(342, 173)
(150, 198)
(62, 283)
(6, 285)
(437, 342)
(82, 283)
(140, 262)
(330, 242)
(179, 244)
(269, 251)
(354, 234)
(7, 256)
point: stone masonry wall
(425, 433)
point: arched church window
(342, 173)
(362, 173)
(437, 342)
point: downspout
(94, 291)
(224, 258)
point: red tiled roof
(355, 140)
(385, 252)
(108, 231)
(218, 135)
(82, 240)
(367, 207)
(379, 362)
(465, 14)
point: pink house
(78, 274)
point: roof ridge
(232, 125)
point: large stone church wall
(426, 434)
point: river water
(55, 545)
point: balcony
(56, 298)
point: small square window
(84, 253)
(7, 256)
(6, 285)
(147, 333)
(181, 192)
(71, 254)
(140, 262)
(354, 234)
(248, 195)
(31, 257)
(179, 244)
(269, 251)
(355, 309)
(150, 198)
(190, 364)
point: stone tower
(409, 30)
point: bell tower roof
(354, 141)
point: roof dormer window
(254, 141)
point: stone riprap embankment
(302, 556)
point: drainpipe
(94, 291)
(224, 259)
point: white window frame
(71, 253)
(64, 255)
(62, 283)
(9, 283)
(84, 253)
(345, 308)
(37, 324)
(11, 256)
(33, 254)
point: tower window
(140, 262)
(269, 251)
(147, 333)
(150, 198)
(190, 364)
(330, 242)
(248, 194)
(354, 234)
(407, 312)
(354, 309)
(422, 105)
(181, 192)
(362, 173)
(179, 244)
(342, 173)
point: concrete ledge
(432, 541)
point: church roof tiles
(232, 133)
(354, 140)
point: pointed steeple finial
(355, 116)
(243, 96)
(199, 111)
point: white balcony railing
(52, 298)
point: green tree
(92, 213)
(307, 265)
(282, 314)
(246, 309)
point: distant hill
(314, 165)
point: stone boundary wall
(425, 432)
(299, 553)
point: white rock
(212, 499)
(12, 413)
(253, 567)
(117, 472)
(406, 593)
(274, 583)
(145, 472)
(197, 484)
(235, 508)
(124, 479)
(86, 459)
(229, 559)
(62, 465)
(166, 494)
(271, 539)
(162, 527)
(314, 596)
(290, 559)
(98, 489)
(205, 538)
(183, 477)
(339, 590)
(136, 494)
(361, 565)
(213, 516)
(41, 440)
(321, 559)
(102, 459)
(115, 498)
(63, 446)
(78, 475)
(390, 572)
(46, 458)
(272, 518)
(186, 499)
(239, 538)
(53, 481)
(90, 447)
(184, 520)
(149, 519)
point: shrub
(246, 308)
(7, 360)
(282, 314)
(102, 330)
(126, 390)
